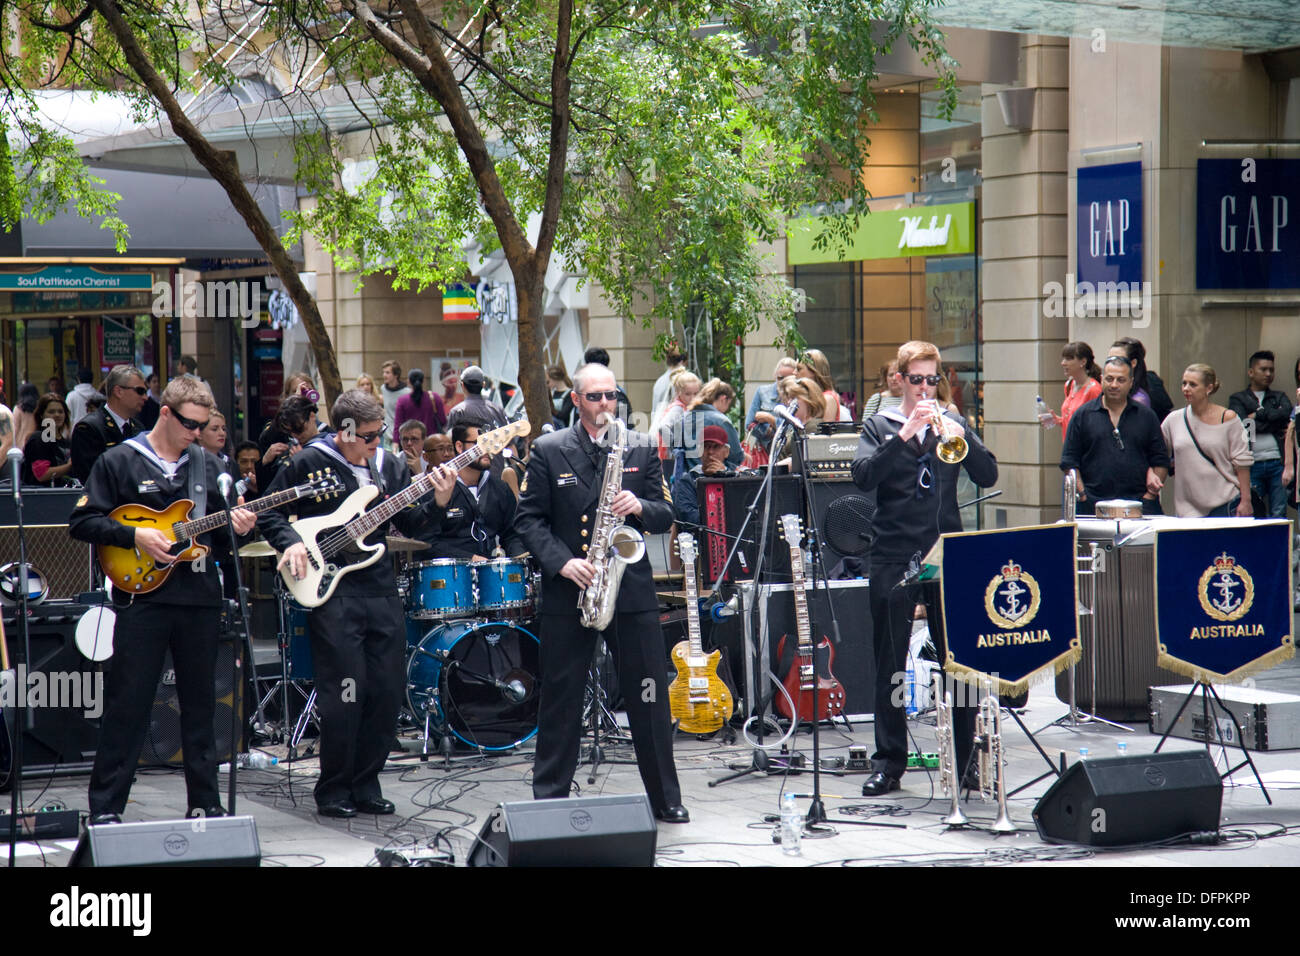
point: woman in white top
(1208, 447)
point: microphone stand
(236, 690)
(21, 714)
(759, 762)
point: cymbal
(257, 549)
(400, 545)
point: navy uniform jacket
(909, 518)
(92, 436)
(558, 507)
(377, 580)
(467, 527)
(122, 476)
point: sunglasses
(368, 437)
(1114, 433)
(138, 389)
(188, 423)
(918, 379)
(597, 396)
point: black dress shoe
(98, 819)
(673, 814)
(879, 783)
(342, 809)
(377, 805)
(216, 810)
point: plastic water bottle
(791, 826)
(911, 688)
(1121, 748)
(1044, 412)
(1083, 753)
(252, 761)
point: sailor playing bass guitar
(358, 639)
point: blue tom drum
(440, 589)
(503, 584)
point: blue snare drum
(480, 680)
(503, 584)
(440, 589)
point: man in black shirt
(1270, 412)
(1114, 445)
(153, 470)
(916, 495)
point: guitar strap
(197, 474)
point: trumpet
(992, 760)
(952, 448)
(949, 781)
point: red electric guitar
(805, 670)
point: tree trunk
(530, 289)
(220, 167)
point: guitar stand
(1207, 691)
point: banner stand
(1207, 691)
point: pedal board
(43, 825)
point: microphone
(225, 483)
(913, 571)
(15, 458)
(514, 691)
(786, 414)
(722, 610)
(241, 488)
(547, 428)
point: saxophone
(613, 545)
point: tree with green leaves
(654, 148)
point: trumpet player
(915, 481)
(559, 510)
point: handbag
(1256, 499)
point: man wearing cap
(476, 410)
(713, 464)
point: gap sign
(1248, 223)
(1108, 215)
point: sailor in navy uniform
(114, 423)
(557, 510)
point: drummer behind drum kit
(472, 666)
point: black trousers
(358, 649)
(636, 643)
(891, 619)
(143, 633)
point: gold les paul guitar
(697, 697)
(135, 572)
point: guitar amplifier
(831, 456)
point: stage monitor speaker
(1121, 801)
(63, 738)
(162, 745)
(206, 841)
(615, 830)
(844, 515)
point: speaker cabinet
(162, 744)
(61, 739)
(207, 841)
(843, 513)
(1119, 801)
(579, 831)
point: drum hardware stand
(285, 681)
(1087, 567)
(1207, 691)
(24, 719)
(599, 717)
(225, 484)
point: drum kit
(472, 662)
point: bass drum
(479, 680)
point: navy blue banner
(1108, 214)
(1009, 602)
(1223, 599)
(1248, 223)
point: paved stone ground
(440, 807)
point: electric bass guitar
(336, 542)
(806, 673)
(133, 571)
(697, 697)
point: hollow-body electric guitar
(133, 571)
(336, 542)
(811, 667)
(697, 697)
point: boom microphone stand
(225, 483)
(21, 715)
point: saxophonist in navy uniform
(559, 510)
